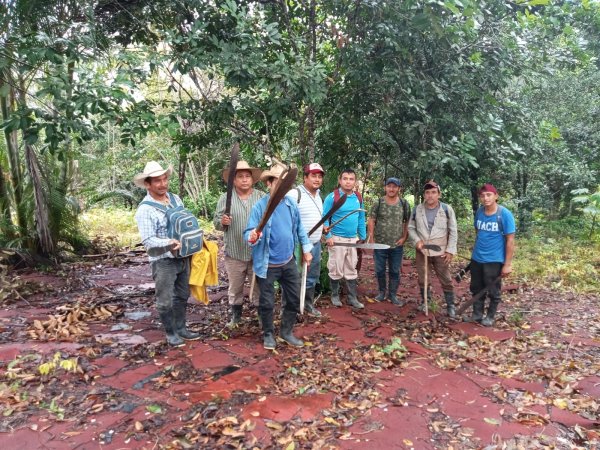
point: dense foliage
(462, 91)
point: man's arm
(370, 229)
(253, 221)
(510, 251)
(147, 228)
(218, 219)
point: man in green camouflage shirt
(388, 224)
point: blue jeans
(314, 270)
(392, 258)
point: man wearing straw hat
(171, 275)
(273, 259)
(238, 256)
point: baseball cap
(488, 187)
(312, 168)
(432, 185)
(394, 180)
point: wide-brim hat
(243, 165)
(274, 171)
(152, 169)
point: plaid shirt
(152, 225)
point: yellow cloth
(203, 271)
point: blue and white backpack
(181, 225)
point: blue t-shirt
(281, 240)
(490, 245)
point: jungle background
(462, 91)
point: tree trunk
(6, 225)
(14, 163)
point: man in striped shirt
(238, 256)
(310, 205)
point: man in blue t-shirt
(273, 259)
(343, 260)
(493, 253)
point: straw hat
(243, 165)
(152, 169)
(274, 171)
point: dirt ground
(83, 364)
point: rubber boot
(477, 314)
(269, 341)
(236, 316)
(488, 320)
(335, 292)
(287, 324)
(172, 338)
(381, 285)
(393, 288)
(449, 296)
(179, 310)
(353, 294)
(309, 302)
(266, 322)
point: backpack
(182, 225)
(405, 209)
(444, 207)
(498, 217)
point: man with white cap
(310, 205)
(171, 274)
(238, 255)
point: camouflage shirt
(390, 221)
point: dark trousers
(289, 279)
(172, 279)
(482, 275)
(392, 258)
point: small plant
(516, 318)
(395, 348)
(592, 205)
(69, 365)
(54, 408)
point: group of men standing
(271, 254)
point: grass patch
(113, 224)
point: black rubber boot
(353, 294)
(381, 287)
(179, 310)
(269, 341)
(393, 288)
(236, 316)
(450, 308)
(477, 314)
(309, 302)
(172, 338)
(335, 292)
(287, 324)
(489, 319)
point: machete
(365, 245)
(337, 205)
(349, 214)
(476, 297)
(286, 181)
(235, 154)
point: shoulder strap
(299, 194)
(158, 206)
(445, 208)
(360, 200)
(336, 194)
(499, 219)
(405, 210)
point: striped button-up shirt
(311, 210)
(152, 224)
(235, 245)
